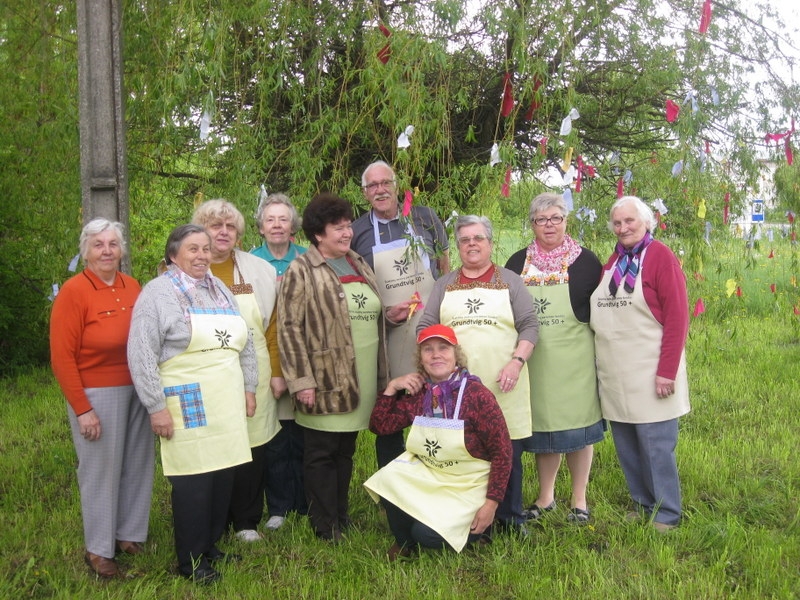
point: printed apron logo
(359, 299)
(401, 266)
(540, 305)
(473, 305)
(224, 338)
(432, 446)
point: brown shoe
(129, 547)
(396, 551)
(103, 567)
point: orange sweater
(89, 335)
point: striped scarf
(628, 265)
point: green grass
(737, 455)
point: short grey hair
(176, 237)
(467, 220)
(278, 198)
(547, 200)
(96, 227)
(377, 163)
(645, 212)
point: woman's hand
(399, 312)
(484, 517)
(278, 386)
(161, 424)
(250, 403)
(307, 397)
(664, 387)
(89, 426)
(509, 375)
(412, 382)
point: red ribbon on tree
(543, 146)
(776, 137)
(672, 111)
(725, 207)
(386, 52)
(535, 101)
(705, 17)
(507, 184)
(620, 188)
(508, 96)
(407, 203)
(582, 168)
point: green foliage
(299, 101)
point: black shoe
(203, 575)
(510, 528)
(220, 558)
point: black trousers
(285, 488)
(247, 497)
(199, 514)
(328, 468)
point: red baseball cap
(437, 331)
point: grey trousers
(646, 452)
(115, 473)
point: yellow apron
(204, 387)
(262, 426)
(399, 273)
(364, 308)
(628, 345)
(562, 368)
(484, 325)
(436, 480)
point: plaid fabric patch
(192, 410)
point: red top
(485, 430)
(664, 289)
(89, 335)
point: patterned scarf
(442, 394)
(628, 265)
(541, 265)
(192, 292)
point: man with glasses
(407, 254)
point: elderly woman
(561, 276)
(194, 368)
(88, 338)
(278, 221)
(332, 354)
(252, 282)
(446, 487)
(492, 314)
(640, 316)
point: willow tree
(223, 97)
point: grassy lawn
(737, 455)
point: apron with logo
(400, 272)
(263, 425)
(364, 307)
(561, 369)
(436, 480)
(483, 322)
(628, 345)
(204, 389)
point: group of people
(258, 370)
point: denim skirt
(562, 442)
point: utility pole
(104, 172)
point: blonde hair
(218, 209)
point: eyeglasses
(542, 221)
(475, 238)
(373, 187)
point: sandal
(578, 516)
(536, 512)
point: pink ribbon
(508, 96)
(407, 203)
(705, 17)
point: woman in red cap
(444, 490)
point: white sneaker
(248, 535)
(275, 522)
